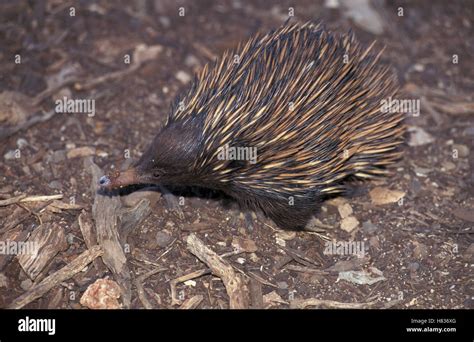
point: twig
(234, 283)
(23, 199)
(75, 266)
(303, 303)
(183, 278)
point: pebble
(58, 156)
(55, 185)
(463, 150)
(191, 61)
(21, 143)
(183, 77)
(163, 239)
(349, 223)
(419, 137)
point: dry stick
(183, 278)
(75, 266)
(107, 77)
(234, 283)
(24, 199)
(303, 303)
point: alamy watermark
(65, 105)
(237, 153)
(408, 106)
(345, 248)
(10, 247)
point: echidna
(306, 100)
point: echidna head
(168, 160)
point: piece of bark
(192, 303)
(90, 239)
(256, 295)
(46, 241)
(234, 282)
(75, 266)
(106, 213)
(130, 218)
(14, 235)
(85, 224)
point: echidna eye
(157, 173)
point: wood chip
(75, 266)
(46, 241)
(381, 195)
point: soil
(422, 245)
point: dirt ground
(419, 250)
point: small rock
(282, 285)
(331, 4)
(70, 238)
(165, 21)
(419, 136)
(418, 67)
(21, 143)
(448, 166)
(190, 283)
(58, 156)
(349, 223)
(163, 239)
(103, 294)
(345, 210)
(10, 155)
(191, 61)
(55, 184)
(183, 77)
(241, 261)
(369, 227)
(463, 150)
(84, 151)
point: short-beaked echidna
(307, 101)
